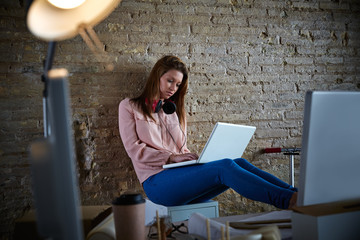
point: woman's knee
(223, 164)
(242, 162)
(226, 164)
(226, 161)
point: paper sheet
(197, 225)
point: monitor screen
(330, 158)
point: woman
(153, 130)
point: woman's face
(169, 83)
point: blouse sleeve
(142, 155)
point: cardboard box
(338, 220)
(25, 227)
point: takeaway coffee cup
(129, 217)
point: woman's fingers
(183, 157)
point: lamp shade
(50, 23)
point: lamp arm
(44, 78)
(49, 57)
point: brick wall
(251, 62)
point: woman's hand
(174, 158)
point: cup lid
(128, 199)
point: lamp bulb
(66, 4)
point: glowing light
(66, 4)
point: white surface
(330, 153)
(209, 209)
(226, 141)
(150, 211)
(197, 225)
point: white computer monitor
(330, 152)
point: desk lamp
(54, 175)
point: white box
(340, 220)
(209, 209)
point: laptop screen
(226, 141)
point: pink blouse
(149, 143)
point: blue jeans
(200, 183)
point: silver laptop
(226, 141)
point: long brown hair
(151, 91)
